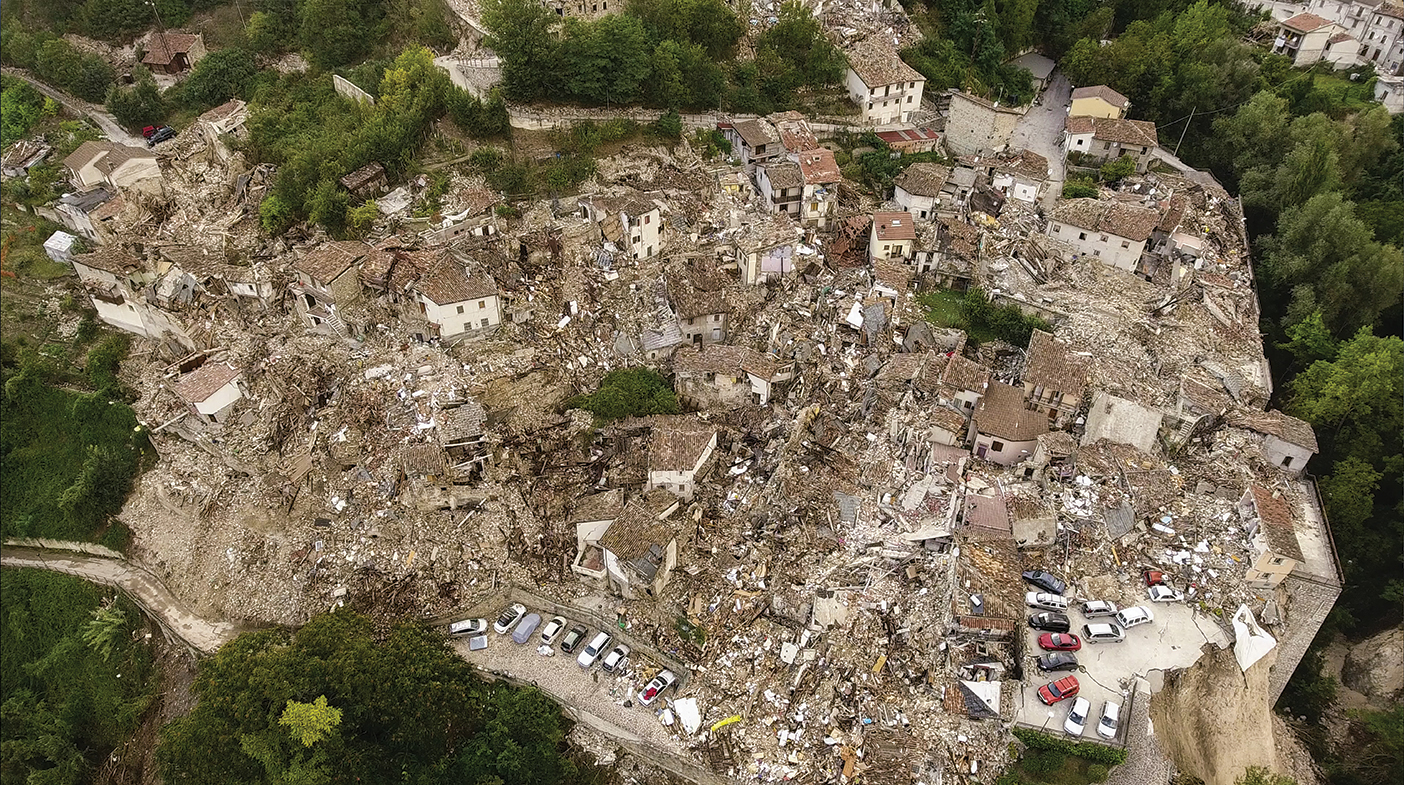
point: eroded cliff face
(1375, 667)
(1215, 720)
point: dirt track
(136, 582)
(105, 121)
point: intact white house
(886, 90)
(677, 451)
(456, 303)
(893, 236)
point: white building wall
(475, 313)
(921, 207)
(1009, 453)
(1109, 249)
(222, 399)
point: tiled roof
(447, 282)
(756, 132)
(325, 264)
(205, 381)
(1283, 426)
(1001, 414)
(1078, 125)
(163, 47)
(598, 507)
(1103, 92)
(635, 532)
(878, 65)
(904, 137)
(894, 226)
(964, 373)
(223, 111)
(794, 130)
(1174, 213)
(695, 293)
(110, 258)
(112, 155)
(923, 179)
(1305, 23)
(1025, 162)
(894, 274)
(783, 174)
(725, 359)
(1122, 220)
(819, 167)
(1050, 364)
(364, 175)
(1278, 528)
(958, 237)
(1116, 129)
(678, 445)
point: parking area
(1108, 671)
(595, 691)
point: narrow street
(1041, 130)
(93, 112)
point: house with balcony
(328, 282)
(819, 172)
(1006, 431)
(919, 187)
(886, 90)
(631, 221)
(781, 186)
(754, 141)
(1307, 38)
(1054, 378)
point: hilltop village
(891, 415)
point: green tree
(1080, 188)
(523, 34)
(1118, 170)
(1257, 775)
(628, 392)
(139, 105)
(218, 77)
(337, 32)
(1310, 341)
(309, 723)
(604, 61)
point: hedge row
(1097, 753)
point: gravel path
(145, 589)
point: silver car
(1095, 608)
(552, 630)
(1077, 716)
(1045, 601)
(1111, 717)
(593, 651)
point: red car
(1153, 577)
(1055, 691)
(1059, 641)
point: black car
(1050, 622)
(1058, 661)
(573, 639)
(1045, 581)
(160, 135)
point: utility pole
(1182, 133)
(161, 26)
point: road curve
(105, 121)
(145, 589)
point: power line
(1190, 116)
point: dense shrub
(1087, 750)
(628, 392)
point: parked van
(1130, 617)
(1102, 633)
(594, 650)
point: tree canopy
(339, 701)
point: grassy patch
(1047, 767)
(74, 684)
(980, 319)
(68, 458)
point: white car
(654, 688)
(509, 618)
(1095, 608)
(616, 658)
(1045, 601)
(593, 651)
(552, 630)
(468, 627)
(1077, 717)
(1162, 593)
(1111, 715)
(1131, 617)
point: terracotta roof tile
(1051, 364)
(208, 379)
(112, 155)
(964, 373)
(1123, 220)
(819, 167)
(163, 47)
(923, 179)
(783, 174)
(447, 282)
(1277, 525)
(598, 507)
(635, 533)
(1115, 129)
(1305, 23)
(756, 132)
(1078, 125)
(327, 263)
(678, 445)
(878, 65)
(1103, 92)
(1001, 414)
(894, 226)
(113, 259)
(1275, 423)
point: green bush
(1118, 170)
(1087, 750)
(1005, 322)
(628, 392)
(1097, 772)
(1080, 188)
(1043, 762)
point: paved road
(93, 112)
(1041, 130)
(145, 589)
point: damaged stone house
(455, 302)
(631, 221)
(1268, 518)
(781, 186)
(819, 171)
(120, 288)
(698, 297)
(753, 141)
(367, 182)
(1021, 175)
(886, 89)
(477, 219)
(173, 53)
(328, 282)
(1102, 139)
(1054, 379)
(764, 251)
(952, 259)
(1112, 232)
(718, 376)
(211, 391)
(631, 548)
(678, 449)
(1006, 431)
(97, 163)
(919, 187)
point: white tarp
(1251, 642)
(687, 712)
